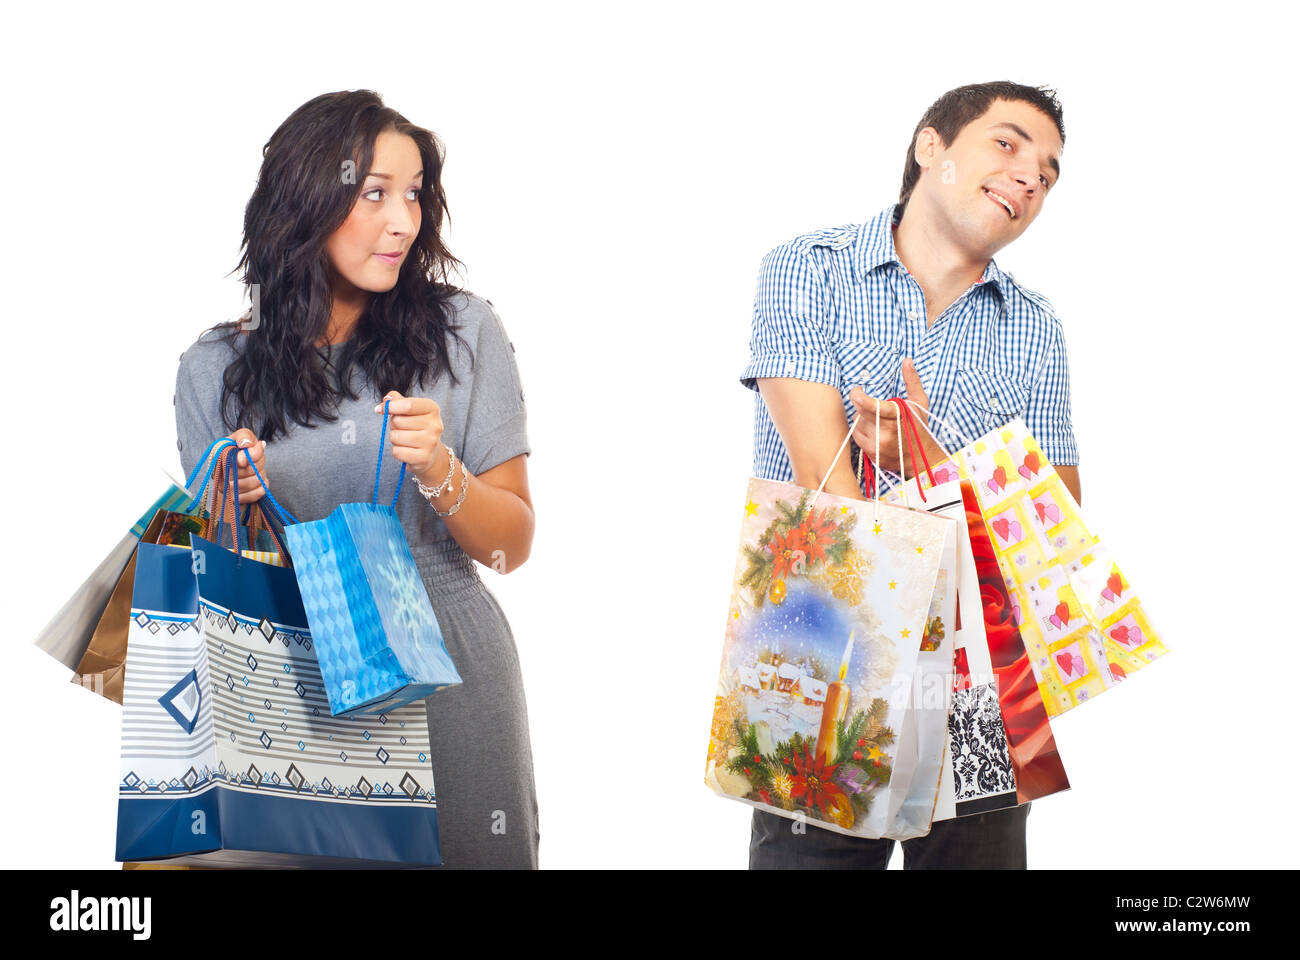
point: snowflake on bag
(406, 594)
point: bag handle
(255, 518)
(230, 508)
(914, 447)
(217, 444)
(383, 432)
(907, 427)
(212, 502)
(840, 452)
(930, 414)
(873, 492)
(277, 515)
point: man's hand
(865, 434)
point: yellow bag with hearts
(1083, 625)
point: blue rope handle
(189, 481)
(219, 442)
(283, 515)
(383, 432)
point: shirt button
(912, 314)
(866, 372)
(993, 402)
(789, 366)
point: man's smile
(1004, 201)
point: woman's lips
(392, 259)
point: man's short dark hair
(950, 114)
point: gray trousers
(985, 841)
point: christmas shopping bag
(229, 753)
(101, 667)
(933, 680)
(932, 693)
(377, 637)
(1081, 621)
(68, 633)
(1000, 750)
(814, 716)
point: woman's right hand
(250, 489)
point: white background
(615, 175)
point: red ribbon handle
(912, 436)
(907, 424)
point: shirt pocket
(985, 399)
(873, 366)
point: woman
(352, 305)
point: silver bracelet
(464, 485)
(430, 492)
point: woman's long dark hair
(313, 170)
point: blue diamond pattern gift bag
(230, 756)
(377, 637)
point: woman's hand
(416, 434)
(491, 518)
(250, 488)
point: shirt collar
(876, 248)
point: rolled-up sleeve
(788, 337)
(496, 419)
(1048, 413)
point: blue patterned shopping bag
(230, 756)
(378, 639)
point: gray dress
(480, 751)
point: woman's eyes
(414, 190)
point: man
(912, 304)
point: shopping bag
(932, 688)
(101, 667)
(377, 636)
(229, 754)
(1000, 749)
(994, 648)
(68, 633)
(1081, 621)
(814, 717)
(976, 774)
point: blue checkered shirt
(837, 306)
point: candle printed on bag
(830, 611)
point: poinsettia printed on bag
(830, 609)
